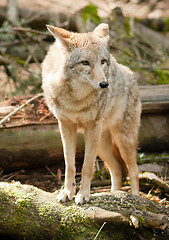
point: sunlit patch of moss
(162, 76)
(75, 225)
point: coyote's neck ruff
(85, 87)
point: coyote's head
(85, 55)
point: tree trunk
(27, 212)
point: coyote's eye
(85, 62)
(103, 61)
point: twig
(9, 61)
(52, 173)
(47, 115)
(14, 117)
(31, 56)
(18, 109)
(11, 175)
(99, 231)
(31, 31)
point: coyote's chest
(81, 111)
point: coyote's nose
(103, 84)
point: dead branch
(18, 109)
(9, 61)
(21, 29)
(154, 180)
(151, 220)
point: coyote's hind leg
(105, 152)
(128, 150)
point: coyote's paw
(65, 195)
(82, 198)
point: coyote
(86, 88)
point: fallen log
(154, 129)
(154, 180)
(27, 212)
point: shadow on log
(27, 212)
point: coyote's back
(85, 87)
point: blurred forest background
(139, 37)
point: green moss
(90, 12)
(23, 210)
(166, 22)
(162, 76)
(127, 26)
(75, 225)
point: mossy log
(27, 212)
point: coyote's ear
(102, 31)
(60, 34)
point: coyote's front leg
(68, 135)
(92, 136)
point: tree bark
(27, 212)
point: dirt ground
(137, 8)
(36, 111)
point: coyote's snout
(85, 87)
